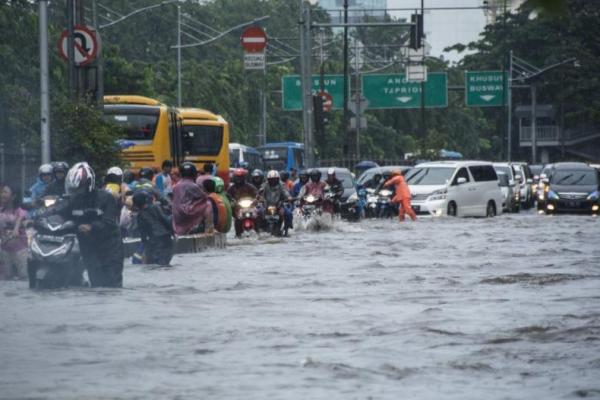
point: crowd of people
(155, 207)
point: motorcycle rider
(96, 215)
(113, 183)
(257, 178)
(336, 187)
(274, 193)
(374, 182)
(156, 231)
(238, 190)
(191, 206)
(302, 180)
(285, 179)
(57, 187)
(45, 177)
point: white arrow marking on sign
(488, 97)
(404, 99)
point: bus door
(175, 136)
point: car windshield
(430, 176)
(574, 177)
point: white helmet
(45, 169)
(115, 171)
(331, 171)
(273, 174)
(80, 179)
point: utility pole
(178, 55)
(345, 115)
(422, 44)
(44, 91)
(509, 108)
(357, 95)
(533, 123)
(306, 78)
(99, 61)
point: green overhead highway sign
(292, 90)
(485, 88)
(394, 91)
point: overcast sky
(446, 27)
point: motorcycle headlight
(310, 198)
(593, 196)
(49, 202)
(371, 199)
(385, 192)
(353, 198)
(552, 195)
(438, 195)
(246, 203)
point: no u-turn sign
(85, 45)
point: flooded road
(503, 308)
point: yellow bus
(205, 139)
(152, 130)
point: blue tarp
(453, 155)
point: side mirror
(511, 182)
(529, 181)
(518, 178)
(461, 180)
(545, 181)
(536, 178)
(543, 176)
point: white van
(455, 188)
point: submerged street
(498, 308)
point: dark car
(385, 171)
(572, 187)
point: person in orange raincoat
(401, 196)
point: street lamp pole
(178, 55)
(44, 91)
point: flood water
(502, 308)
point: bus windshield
(202, 140)
(138, 123)
(275, 158)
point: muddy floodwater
(502, 308)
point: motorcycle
(247, 214)
(371, 203)
(354, 208)
(273, 221)
(55, 259)
(385, 208)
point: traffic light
(416, 31)
(321, 117)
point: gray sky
(446, 27)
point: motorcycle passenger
(96, 215)
(45, 178)
(315, 186)
(156, 231)
(238, 190)
(374, 182)
(336, 187)
(274, 193)
(57, 187)
(401, 195)
(257, 178)
(302, 180)
(113, 183)
(13, 238)
(285, 179)
(191, 207)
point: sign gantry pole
(44, 91)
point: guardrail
(545, 133)
(183, 244)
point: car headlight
(438, 195)
(593, 196)
(246, 203)
(353, 198)
(552, 195)
(385, 192)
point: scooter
(385, 209)
(247, 214)
(55, 259)
(273, 220)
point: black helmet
(188, 170)
(147, 173)
(284, 175)
(257, 172)
(303, 176)
(377, 177)
(258, 177)
(60, 166)
(140, 198)
(128, 177)
(315, 175)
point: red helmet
(240, 172)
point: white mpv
(455, 188)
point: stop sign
(254, 39)
(327, 101)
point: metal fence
(18, 166)
(352, 161)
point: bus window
(202, 140)
(234, 158)
(139, 124)
(298, 159)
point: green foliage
(82, 135)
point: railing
(18, 166)
(545, 133)
(351, 162)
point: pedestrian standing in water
(13, 239)
(401, 195)
(155, 229)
